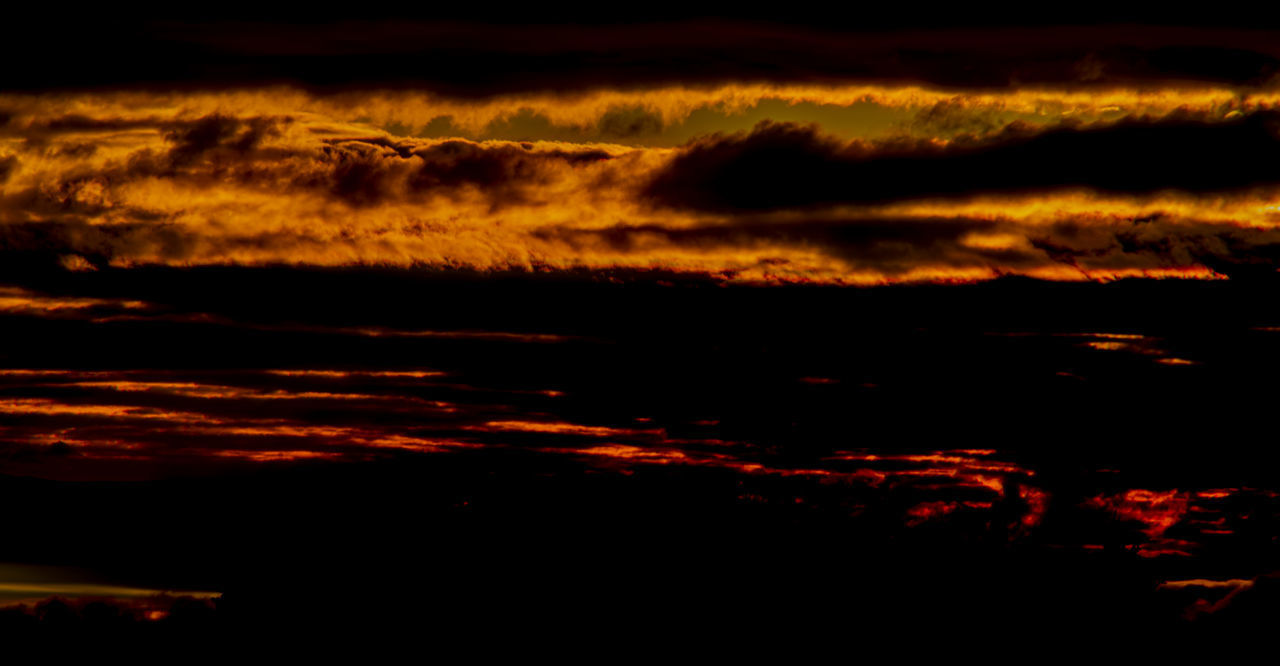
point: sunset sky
(305, 316)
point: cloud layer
(1179, 183)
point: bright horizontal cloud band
(1176, 182)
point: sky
(966, 317)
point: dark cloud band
(466, 57)
(782, 165)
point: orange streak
(559, 428)
(1158, 511)
(54, 408)
(1037, 503)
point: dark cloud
(482, 58)
(218, 131)
(218, 149)
(368, 171)
(898, 245)
(210, 146)
(784, 165)
(75, 123)
(44, 242)
(889, 245)
(191, 137)
(8, 164)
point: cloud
(889, 245)
(361, 171)
(786, 165)
(470, 58)
(223, 186)
(1075, 247)
(214, 131)
(8, 164)
(100, 187)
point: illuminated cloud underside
(267, 176)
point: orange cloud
(278, 176)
